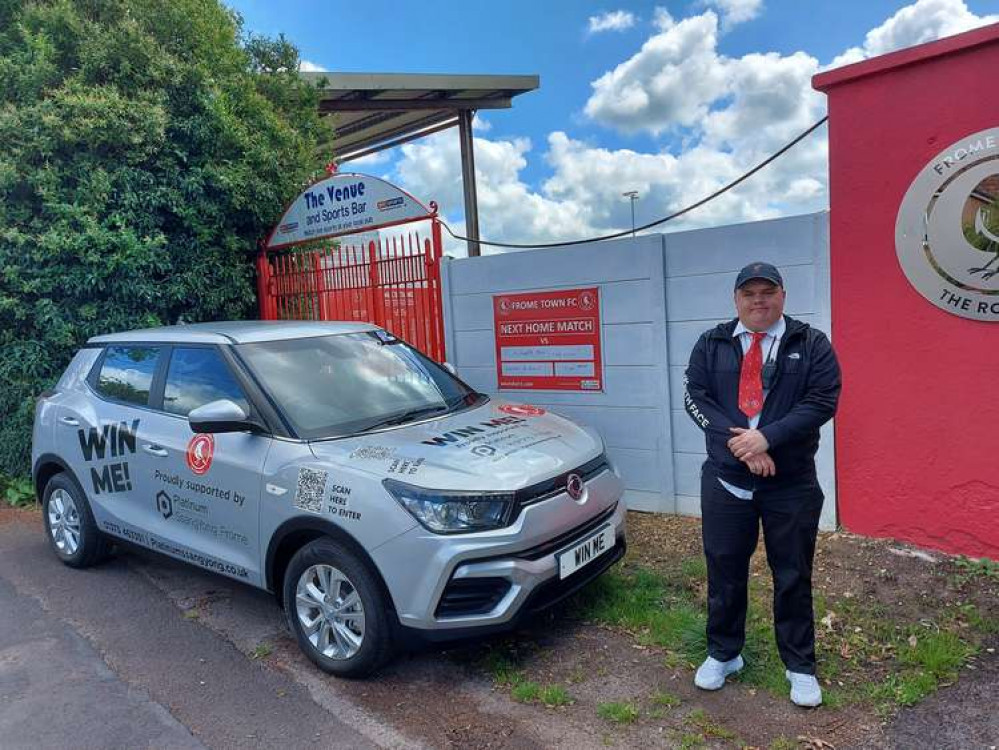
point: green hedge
(146, 147)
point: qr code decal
(311, 489)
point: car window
(336, 385)
(127, 373)
(198, 376)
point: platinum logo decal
(947, 230)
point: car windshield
(331, 386)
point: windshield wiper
(472, 398)
(406, 416)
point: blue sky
(673, 100)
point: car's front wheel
(69, 524)
(337, 610)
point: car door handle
(70, 421)
(155, 450)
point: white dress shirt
(770, 344)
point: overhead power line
(676, 215)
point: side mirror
(221, 416)
(451, 368)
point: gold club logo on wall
(947, 231)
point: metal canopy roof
(379, 110)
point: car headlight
(447, 512)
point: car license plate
(585, 551)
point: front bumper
(450, 586)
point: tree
(145, 147)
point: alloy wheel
(330, 611)
(64, 522)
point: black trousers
(730, 529)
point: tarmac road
(146, 652)
(104, 658)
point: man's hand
(761, 465)
(747, 443)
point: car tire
(337, 609)
(70, 526)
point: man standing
(760, 386)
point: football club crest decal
(200, 451)
(947, 230)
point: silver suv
(371, 490)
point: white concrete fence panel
(658, 293)
(632, 412)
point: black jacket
(802, 398)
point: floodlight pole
(633, 196)
(468, 180)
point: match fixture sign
(548, 341)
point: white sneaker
(712, 673)
(805, 690)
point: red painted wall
(917, 434)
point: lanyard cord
(770, 350)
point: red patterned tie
(751, 378)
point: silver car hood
(495, 446)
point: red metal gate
(393, 283)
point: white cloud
(508, 209)
(670, 82)
(595, 178)
(734, 12)
(662, 19)
(307, 66)
(379, 157)
(729, 112)
(770, 100)
(923, 21)
(617, 20)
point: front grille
(471, 596)
(556, 485)
(567, 538)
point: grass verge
(659, 612)
(618, 713)
(707, 726)
(262, 651)
(503, 665)
(862, 654)
(552, 696)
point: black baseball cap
(759, 270)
